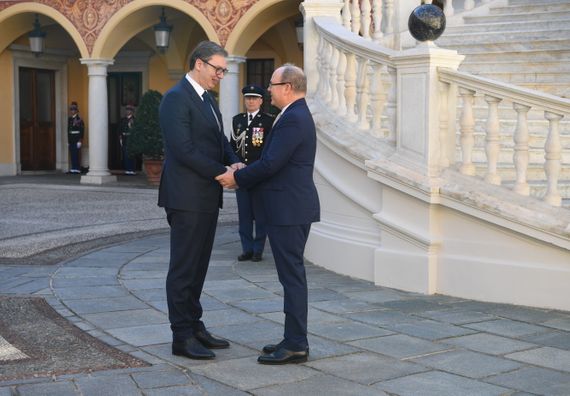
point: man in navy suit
(196, 151)
(285, 199)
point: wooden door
(37, 119)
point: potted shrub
(146, 138)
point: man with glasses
(285, 198)
(196, 151)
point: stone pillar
(98, 123)
(310, 9)
(230, 92)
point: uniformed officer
(125, 127)
(75, 130)
(249, 133)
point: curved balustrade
(523, 100)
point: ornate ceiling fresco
(90, 16)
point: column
(230, 92)
(310, 9)
(98, 124)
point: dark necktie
(250, 117)
(209, 106)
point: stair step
(511, 26)
(520, 17)
(535, 173)
(530, 8)
(527, 2)
(476, 66)
(518, 36)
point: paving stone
(77, 272)
(247, 374)
(260, 306)
(215, 388)
(413, 305)
(382, 317)
(273, 287)
(400, 346)
(86, 292)
(322, 348)
(93, 263)
(555, 339)
(319, 385)
(506, 327)
(240, 293)
(107, 280)
(226, 284)
(235, 351)
(147, 357)
(193, 390)
(62, 388)
(488, 343)
(428, 329)
(558, 323)
(141, 284)
(455, 316)
(366, 368)
(6, 391)
(32, 286)
(376, 296)
(436, 383)
(344, 306)
(151, 294)
(117, 384)
(523, 314)
(118, 319)
(467, 363)
(534, 379)
(96, 305)
(319, 294)
(557, 359)
(210, 303)
(143, 335)
(254, 335)
(226, 317)
(161, 378)
(135, 274)
(346, 331)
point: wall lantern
(36, 37)
(299, 29)
(162, 33)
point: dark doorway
(259, 72)
(123, 89)
(37, 119)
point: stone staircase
(526, 43)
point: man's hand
(238, 166)
(226, 179)
(78, 145)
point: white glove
(78, 145)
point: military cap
(130, 106)
(73, 106)
(253, 90)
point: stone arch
(14, 21)
(256, 21)
(141, 16)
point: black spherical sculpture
(426, 22)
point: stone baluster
(469, 5)
(346, 14)
(552, 156)
(324, 72)
(448, 8)
(388, 17)
(520, 156)
(362, 88)
(377, 20)
(377, 97)
(391, 105)
(467, 124)
(332, 77)
(320, 63)
(443, 123)
(355, 14)
(350, 91)
(492, 147)
(340, 83)
(365, 18)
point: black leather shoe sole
(245, 256)
(289, 359)
(198, 356)
(270, 348)
(210, 342)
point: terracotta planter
(153, 169)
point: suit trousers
(74, 156)
(191, 240)
(288, 244)
(249, 243)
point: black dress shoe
(270, 348)
(191, 348)
(245, 256)
(256, 257)
(209, 341)
(283, 356)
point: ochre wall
(6, 110)
(78, 89)
(158, 75)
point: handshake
(227, 179)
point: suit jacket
(257, 130)
(196, 151)
(281, 181)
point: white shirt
(252, 116)
(197, 87)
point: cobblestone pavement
(365, 339)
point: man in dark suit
(249, 134)
(285, 199)
(196, 151)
